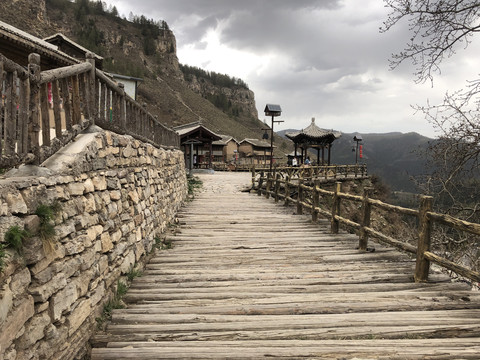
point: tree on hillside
(438, 30)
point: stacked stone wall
(116, 196)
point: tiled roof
(313, 131)
(224, 141)
(257, 143)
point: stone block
(94, 231)
(88, 259)
(43, 292)
(107, 243)
(79, 315)
(15, 322)
(115, 195)
(34, 330)
(89, 202)
(6, 302)
(77, 245)
(62, 301)
(32, 223)
(99, 183)
(113, 184)
(33, 251)
(20, 281)
(76, 188)
(116, 236)
(89, 186)
(82, 282)
(16, 203)
(98, 294)
(62, 231)
(129, 152)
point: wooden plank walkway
(247, 279)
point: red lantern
(361, 151)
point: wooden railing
(40, 111)
(307, 197)
(314, 172)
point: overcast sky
(316, 58)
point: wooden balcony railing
(41, 111)
(282, 185)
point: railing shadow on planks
(61, 102)
(282, 183)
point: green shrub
(3, 256)
(14, 238)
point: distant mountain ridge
(395, 157)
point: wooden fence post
(253, 177)
(335, 208)
(91, 89)
(287, 190)
(34, 107)
(260, 183)
(316, 200)
(56, 109)
(24, 114)
(366, 210)
(424, 229)
(123, 116)
(269, 185)
(277, 187)
(300, 196)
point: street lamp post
(357, 139)
(273, 111)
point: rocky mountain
(144, 48)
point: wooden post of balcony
(34, 107)
(335, 208)
(424, 230)
(366, 210)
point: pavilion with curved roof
(314, 137)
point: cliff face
(239, 97)
(25, 14)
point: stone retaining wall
(116, 196)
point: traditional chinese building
(316, 138)
(254, 151)
(225, 150)
(196, 142)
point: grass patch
(3, 256)
(14, 238)
(133, 273)
(46, 230)
(112, 304)
(194, 184)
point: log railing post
(366, 210)
(268, 187)
(253, 176)
(300, 196)
(287, 190)
(92, 109)
(424, 230)
(260, 183)
(277, 187)
(316, 200)
(335, 208)
(123, 118)
(56, 109)
(23, 114)
(34, 107)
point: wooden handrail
(48, 76)
(424, 215)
